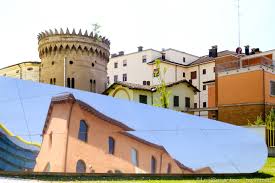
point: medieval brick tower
(75, 60)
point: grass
(266, 174)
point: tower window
(72, 82)
(52, 62)
(93, 64)
(68, 82)
(71, 62)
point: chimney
(253, 51)
(120, 53)
(246, 48)
(210, 52)
(140, 48)
(163, 55)
(257, 50)
(214, 51)
(113, 55)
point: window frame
(270, 88)
(79, 137)
(115, 78)
(203, 87)
(176, 101)
(134, 160)
(187, 102)
(115, 65)
(111, 145)
(140, 97)
(124, 77)
(193, 75)
(124, 63)
(78, 164)
(203, 71)
(204, 106)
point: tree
(164, 95)
(96, 31)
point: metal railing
(244, 63)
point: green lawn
(267, 174)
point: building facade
(75, 60)
(28, 70)
(179, 65)
(180, 99)
(78, 138)
(16, 154)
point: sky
(192, 26)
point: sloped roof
(149, 88)
(206, 58)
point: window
(80, 167)
(124, 77)
(144, 59)
(71, 62)
(72, 82)
(204, 71)
(183, 59)
(108, 80)
(124, 63)
(214, 69)
(195, 105)
(17, 71)
(83, 131)
(204, 87)
(54, 81)
(176, 101)
(272, 87)
(51, 81)
(187, 102)
(153, 164)
(115, 65)
(194, 75)
(190, 81)
(169, 168)
(156, 72)
(93, 64)
(134, 157)
(52, 62)
(68, 82)
(183, 74)
(47, 168)
(204, 104)
(148, 83)
(115, 78)
(143, 99)
(144, 82)
(111, 145)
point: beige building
(28, 70)
(181, 94)
(138, 68)
(75, 60)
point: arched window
(83, 131)
(134, 156)
(51, 81)
(80, 167)
(47, 168)
(111, 145)
(68, 82)
(153, 164)
(169, 168)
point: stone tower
(83, 57)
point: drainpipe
(67, 138)
(199, 81)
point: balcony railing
(244, 63)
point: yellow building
(181, 94)
(28, 70)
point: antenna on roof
(239, 24)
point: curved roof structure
(193, 141)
